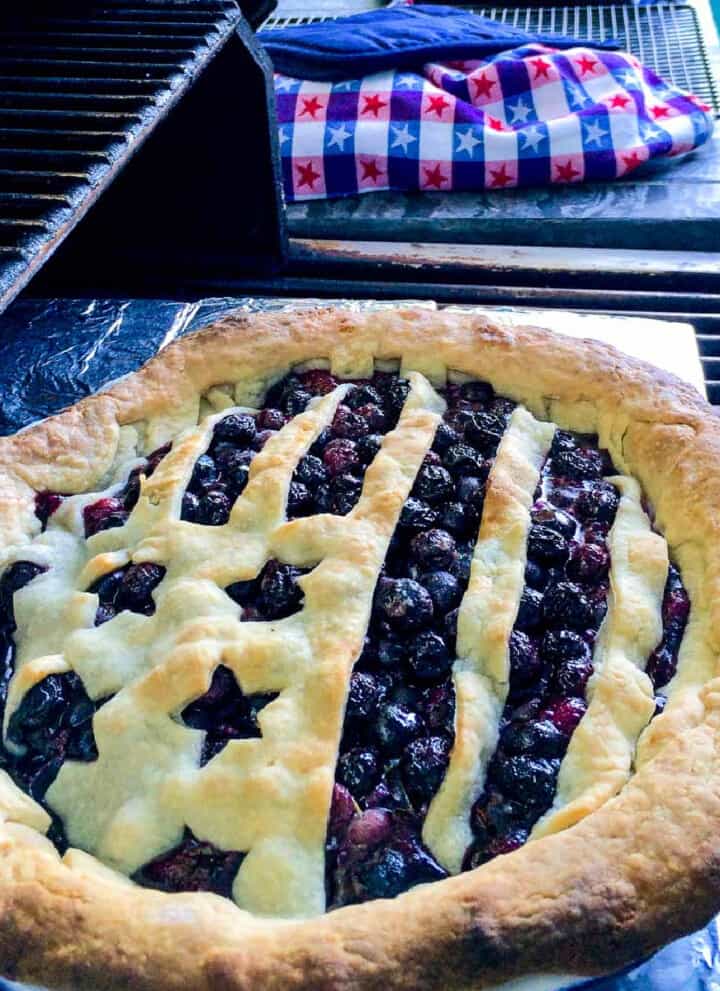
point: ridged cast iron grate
(665, 37)
(708, 338)
(81, 86)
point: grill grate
(708, 339)
(78, 94)
(665, 37)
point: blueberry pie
(360, 651)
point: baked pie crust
(639, 866)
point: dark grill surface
(79, 91)
(708, 338)
(665, 37)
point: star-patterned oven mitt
(532, 115)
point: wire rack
(666, 37)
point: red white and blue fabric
(530, 116)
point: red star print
(542, 68)
(631, 161)
(434, 177)
(567, 172)
(659, 112)
(311, 107)
(500, 177)
(373, 103)
(483, 86)
(370, 170)
(307, 175)
(436, 103)
(619, 100)
(586, 64)
(495, 124)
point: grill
(80, 92)
(666, 37)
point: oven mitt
(402, 37)
(528, 116)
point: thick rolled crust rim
(635, 874)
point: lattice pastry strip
(487, 613)
(145, 785)
(621, 698)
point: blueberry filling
(329, 478)
(46, 503)
(560, 611)
(225, 713)
(662, 663)
(398, 729)
(221, 473)
(193, 865)
(110, 511)
(130, 588)
(274, 594)
(15, 577)
(399, 718)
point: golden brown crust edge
(640, 871)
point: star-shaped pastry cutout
(467, 142)
(282, 136)
(338, 136)
(594, 134)
(533, 136)
(495, 124)
(402, 137)
(225, 713)
(193, 865)
(520, 112)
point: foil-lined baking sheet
(54, 352)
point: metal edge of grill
(73, 114)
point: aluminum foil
(54, 352)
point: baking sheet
(54, 352)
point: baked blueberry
(358, 770)
(237, 427)
(433, 483)
(404, 603)
(428, 656)
(567, 605)
(417, 514)
(396, 725)
(433, 549)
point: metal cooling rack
(666, 37)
